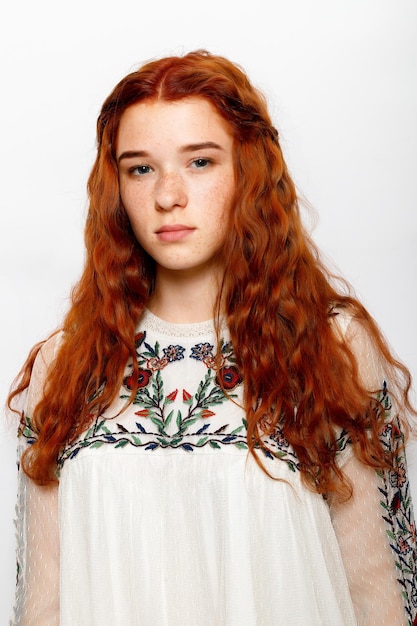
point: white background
(341, 79)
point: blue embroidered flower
(174, 353)
(201, 351)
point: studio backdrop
(341, 81)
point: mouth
(174, 232)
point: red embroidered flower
(186, 397)
(138, 339)
(143, 379)
(228, 377)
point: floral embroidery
(201, 351)
(157, 364)
(160, 425)
(398, 511)
(143, 379)
(229, 377)
(174, 353)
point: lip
(174, 232)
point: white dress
(162, 519)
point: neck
(184, 298)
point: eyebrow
(191, 147)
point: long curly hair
(276, 294)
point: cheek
(221, 199)
(133, 206)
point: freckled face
(177, 182)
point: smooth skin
(177, 185)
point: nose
(170, 192)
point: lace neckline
(152, 323)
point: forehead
(190, 119)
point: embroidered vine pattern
(151, 396)
(155, 403)
(398, 511)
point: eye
(140, 170)
(201, 163)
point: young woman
(216, 435)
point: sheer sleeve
(376, 529)
(37, 534)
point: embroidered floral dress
(161, 517)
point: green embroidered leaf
(121, 444)
(279, 454)
(216, 396)
(201, 441)
(158, 423)
(241, 445)
(188, 422)
(214, 444)
(162, 441)
(176, 441)
(202, 387)
(136, 440)
(147, 354)
(157, 386)
(169, 418)
(237, 430)
(143, 397)
(179, 419)
(97, 444)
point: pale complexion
(177, 185)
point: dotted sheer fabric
(37, 531)
(160, 520)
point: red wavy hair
(277, 295)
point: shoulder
(41, 366)
(360, 334)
